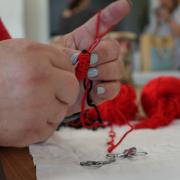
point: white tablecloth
(59, 157)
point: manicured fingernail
(94, 58)
(92, 72)
(130, 2)
(100, 90)
(74, 58)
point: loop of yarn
(83, 65)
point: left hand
(107, 69)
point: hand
(37, 87)
(106, 67)
(38, 83)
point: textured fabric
(59, 157)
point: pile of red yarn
(160, 100)
(119, 110)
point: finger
(70, 52)
(57, 112)
(66, 86)
(106, 72)
(108, 50)
(110, 16)
(60, 57)
(105, 91)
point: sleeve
(4, 34)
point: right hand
(37, 85)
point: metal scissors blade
(127, 153)
(97, 164)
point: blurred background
(149, 36)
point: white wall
(12, 14)
(37, 20)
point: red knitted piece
(83, 65)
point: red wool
(161, 102)
(119, 110)
(83, 65)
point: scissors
(110, 158)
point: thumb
(84, 36)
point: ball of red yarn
(161, 102)
(119, 110)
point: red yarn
(119, 110)
(83, 65)
(161, 102)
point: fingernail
(74, 58)
(94, 58)
(130, 3)
(92, 72)
(100, 90)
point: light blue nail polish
(74, 58)
(100, 90)
(94, 58)
(92, 72)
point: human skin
(38, 83)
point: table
(17, 164)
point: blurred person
(168, 23)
